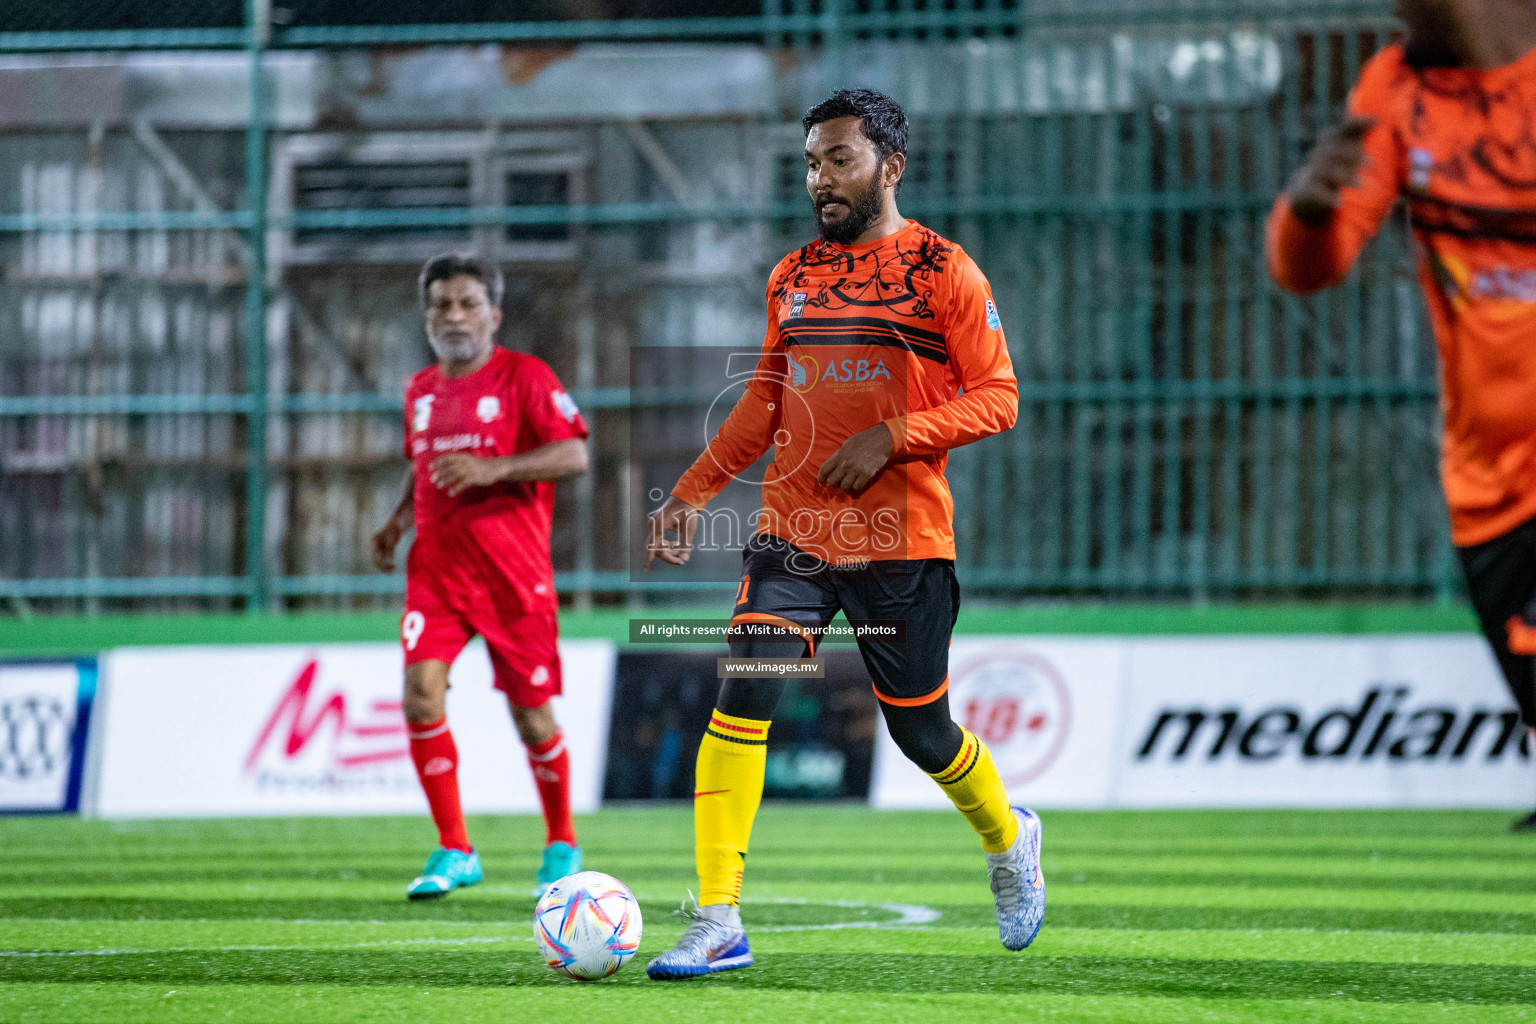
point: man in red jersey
(488, 431)
(1444, 121)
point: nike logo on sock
(711, 792)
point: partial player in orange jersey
(883, 351)
(1446, 121)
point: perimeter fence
(211, 216)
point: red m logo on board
(301, 715)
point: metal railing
(1185, 429)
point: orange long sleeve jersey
(1458, 144)
(901, 331)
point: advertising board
(1044, 708)
(45, 710)
(318, 729)
(1319, 722)
(1251, 721)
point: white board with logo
(318, 729)
(1237, 721)
(44, 707)
(1407, 721)
(1044, 708)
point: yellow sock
(727, 789)
(972, 782)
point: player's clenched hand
(1333, 164)
(678, 519)
(458, 471)
(859, 460)
(384, 544)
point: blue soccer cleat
(446, 871)
(560, 859)
(714, 941)
(1018, 884)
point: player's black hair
(880, 118)
(448, 265)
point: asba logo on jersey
(847, 371)
(488, 409)
(803, 373)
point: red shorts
(525, 656)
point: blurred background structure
(211, 218)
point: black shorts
(782, 584)
(1501, 583)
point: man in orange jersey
(1444, 120)
(883, 351)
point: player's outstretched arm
(1337, 199)
(669, 532)
(741, 440)
(459, 471)
(400, 520)
(1334, 203)
(747, 432)
(1333, 165)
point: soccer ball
(587, 925)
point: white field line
(340, 921)
(908, 916)
(266, 949)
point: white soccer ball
(587, 925)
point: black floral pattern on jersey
(901, 281)
(1511, 160)
(1499, 153)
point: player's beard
(1427, 50)
(865, 206)
(1431, 31)
(460, 348)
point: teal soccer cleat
(446, 871)
(1018, 884)
(560, 859)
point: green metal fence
(1185, 429)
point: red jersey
(487, 538)
(1458, 145)
(902, 331)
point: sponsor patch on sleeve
(993, 321)
(423, 414)
(565, 405)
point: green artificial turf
(1392, 917)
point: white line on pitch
(908, 915)
(479, 940)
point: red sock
(551, 766)
(437, 766)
